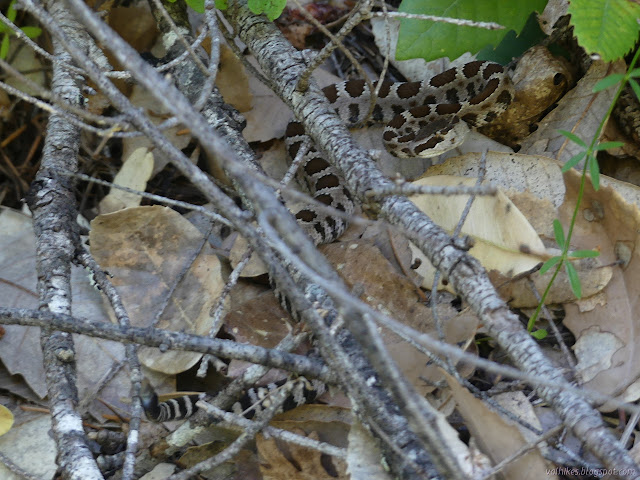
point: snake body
(423, 119)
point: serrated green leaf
(574, 279)
(32, 32)
(594, 171)
(271, 8)
(549, 264)
(222, 4)
(635, 87)
(431, 40)
(558, 232)
(608, 145)
(197, 5)
(606, 27)
(539, 334)
(573, 137)
(573, 161)
(607, 82)
(585, 254)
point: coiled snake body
(423, 119)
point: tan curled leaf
(536, 186)
(504, 239)
(167, 275)
(134, 174)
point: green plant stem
(587, 159)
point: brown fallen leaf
(294, 462)
(362, 266)
(497, 437)
(166, 276)
(607, 342)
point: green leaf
(539, 334)
(608, 145)
(32, 32)
(558, 232)
(607, 82)
(514, 45)
(222, 4)
(549, 264)
(574, 280)
(431, 40)
(12, 13)
(197, 5)
(635, 72)
(4, 46)
(585, 254)
(573, 137)
(573, 161)
(594, 171)
(606, 27)
(635, 87)
(271, 8)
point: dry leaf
(232, 80)
(536, 186)
(519, 294)
(24, 59)
(608, 220)
(20, 349)
(497, 437)
(164, 273)
(362, 266)
(6, 420)
(259, 321)
(134, 174)
(295, 462)
(364, 459)
(554, 10)
(504, 240)
(141, 98)
(243, 466)
(269, 116)
(31, 448)
(162, 471)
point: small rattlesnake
(423, 119)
